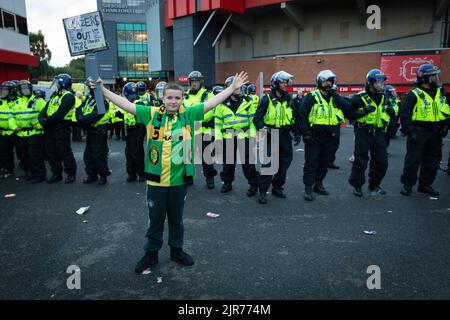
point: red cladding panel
(168, 21)
(237, 6)
(233, 6)
(13, 72)
(205, 5)
(181, 8)
(13, 57)
(261, 3)
(170, 9)
(192, 6)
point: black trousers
(373, 141)
(208, 169)
(336, 147)
(318, 155)
(59, 151)
(7, 153)
(134, 150)
(243, 147)
(96, 153)
(282, 148)
(22, 152)
(448, 164)
(36, 150)
(391, 130)
(76, 133)
(119, 129)
(425, 154)
(162, 202)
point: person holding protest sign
(169, 163)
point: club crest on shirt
(154, 155)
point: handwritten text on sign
(85, 33)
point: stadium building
(15, 55)
(302, 37)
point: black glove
(369, 109)
(412, 137)
(43, 122)
(308, 138)
(443, 131)
(297, 139)
(390, 111)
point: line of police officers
(40, 129)
(375, 112)
(25, 118)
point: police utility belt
(371, 129)
(430, 126)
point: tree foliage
(44, 71)
(39, 48)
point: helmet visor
(4, 92)
(435, 78)
(25, 90)
(55, 86)
(195, 84)
(379, 85)
(159, 93)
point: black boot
(210, 183)
(131, 178)
(178, 255)
(331, 165)
(252, 191)
(38, 180)
(54, 178)
(357, 191)
(377, 190)
(150, 259)
(102, 181)
(227, 187)
(406, 190)
(90, 179)
(278, 192)
(319, 188)
(70, 178)
(28, 176)
(308, 193)
(262, 199)
(428, 190)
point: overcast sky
(47, 15)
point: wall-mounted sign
(401, 67)
(124, 6)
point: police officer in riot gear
(217, 89)
(159, 93)
(145, 97)
(424, 115)
(96, 126)
(321, 115)
(30, 138)
(7, 128)
(56, 118)
(134, 148)
(195, 95)
(234, 128)
(371, 114)
(276, 111)
(391, 99)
